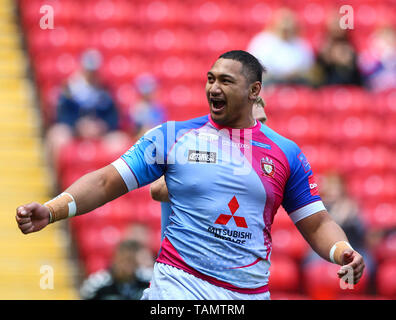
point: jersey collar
(255, 128)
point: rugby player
(159, 190)
(226, 174)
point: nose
(214, 89)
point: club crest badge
(268, 167)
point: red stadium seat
(82, 157)
(214, 14)
(99, 240)
(123, 211)
(95, 262)
(80, 222)
(322, 157)
(256, 15)
(288, 241)
(290, 99)
(282, 220)
(312, 14)
(284, 275)
(183, 101)
(304, 128)
(125, 95)
(161, 40)
(55, 68)
(49, 94)
(162, 14)
(386, 279)
(364, 160)
(381, 188)
(347, 100)
(65, 11)
(354, 129)
(107, 12)
(384, 102)
(369, 15)
(111, 40)
(60, 39)
(386, 249)
(217, 41)
(380, 215)
(122, 68)
(178, 67)
(388, 132)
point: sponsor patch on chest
(202, 156)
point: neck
(245, 124)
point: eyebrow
(222, 75)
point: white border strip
(126, 174)
(306, 211)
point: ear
(254, 90)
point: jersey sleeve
(145, 161)
(301, 197)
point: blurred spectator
(287, 57)
(125, 279)
(378, 62)
(343, 209)
(85, 109)
(144, 234)
(336, 62)
(345, 212)
(140, 233)
(146, 113)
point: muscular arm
(322, 232)
(97, 188)
(89, 192)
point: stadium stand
(347, 129)
(24, 175)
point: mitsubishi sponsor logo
(236, 236)
(225, 218)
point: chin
(218, 118)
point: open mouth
(217, 105)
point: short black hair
(252, 68)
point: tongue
(218, 105)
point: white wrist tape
(338, 245)
(61, 207)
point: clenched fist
(32, 217)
